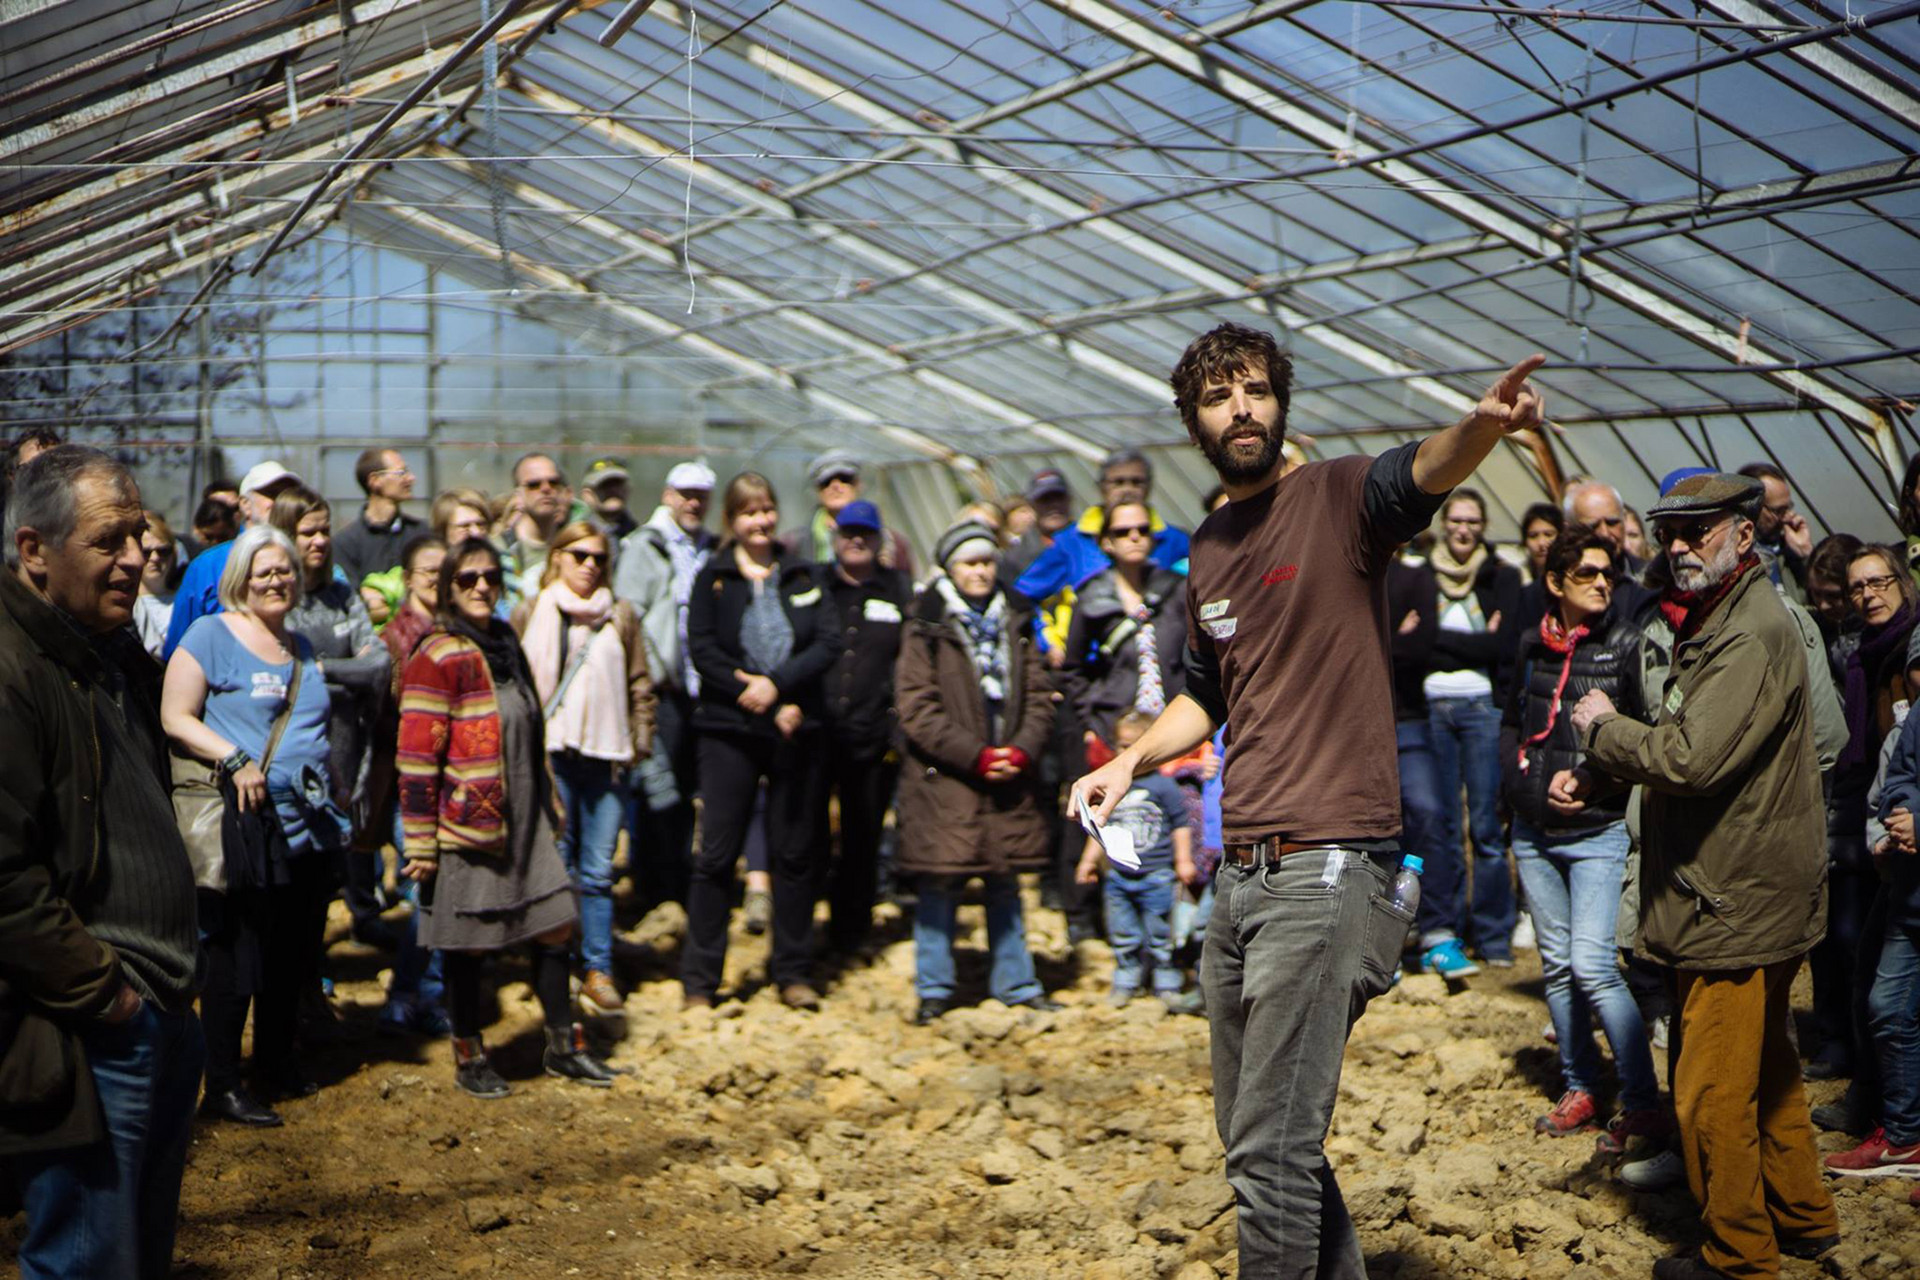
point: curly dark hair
(1219, 354)
(1570, 547)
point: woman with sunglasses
(1128, 634)
(1572, 866)
(478, 820)
(159, 579)
(589, 663)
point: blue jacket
(1076, 556)
(1901, 790)
(198, 595)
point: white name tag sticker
(1214, 609)
(1222, 628)
(805, 598)
(881, 611)
(268, 684)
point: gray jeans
(1294, 952)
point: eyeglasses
(265, 576)
(1120, 531)
(1585, 573)
(588, 557)
(402, 470)
(468, 579)
(543, 483)
(163, 552)
(1881, 586)
(843, 477)
(1694, 533)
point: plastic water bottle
(1406, 885)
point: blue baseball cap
(860, 514)
(1678, 474)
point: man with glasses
(546, 503)
(861, 724)
(835, 476)
(372, 544)
(1733, 890)
(1783, 535)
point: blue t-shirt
(245, 695)
(1153, 809)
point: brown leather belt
(1272, 849)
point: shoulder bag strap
(286, 713)
(574, 664)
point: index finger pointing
(1515, 378)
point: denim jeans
(1011, 978)
(1836, 962)
(1573, 889)
(1139, 929)
(417, 972)
(1421, 822)
(594, 799)
(1466, 753)
(1894, 1012)
(110, 1208)
(1294, 952)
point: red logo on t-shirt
(1280, 573)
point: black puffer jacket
(1607, 659)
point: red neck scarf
(1687, 610)
(1562, 642)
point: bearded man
(1733, 890)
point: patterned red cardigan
(453, 791)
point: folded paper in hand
(1116, 842)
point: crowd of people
(1670, 753)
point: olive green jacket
(1732, 824)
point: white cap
(691, 475)
(263, 474)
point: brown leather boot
(598, 995)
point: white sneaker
(1655, 1173)
(1523, 939)
(1658, 1032)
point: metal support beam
(1891, 96)
(1437, 187)
(639, 318)
(288, 43)
(796, 317)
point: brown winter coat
(1733, 828)
(951, 822)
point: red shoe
(1876, 1158)
(1574, 1113)
(1644, 1122)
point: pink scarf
(592, 716)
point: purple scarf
(1863, 667)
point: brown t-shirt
(1288, 642)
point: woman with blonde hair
(589, 663)
(244, 694)
(159, 580)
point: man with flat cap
(1733, 876)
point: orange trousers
(1744, 1130)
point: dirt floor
(753, 1141)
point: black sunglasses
(468, 579)
(588, 557)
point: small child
(1140, 903)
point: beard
(1239, 468)
(1692, 574)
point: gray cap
(962, 537)
(832, 462)
(1716, 491)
